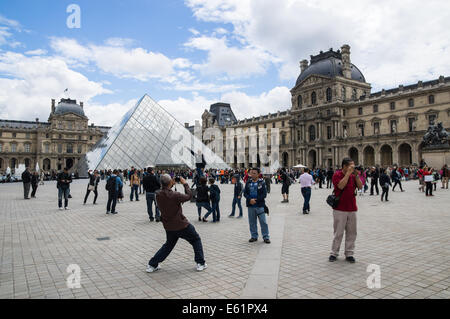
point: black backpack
(111, 184)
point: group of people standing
(346, 181)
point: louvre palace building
(334, 115)
(53, 145)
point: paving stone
(39, 242)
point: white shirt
(306, 180)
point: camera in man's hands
(177, 179)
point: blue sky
(189, 54)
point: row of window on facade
(27, 148)
(71, 125)
(392, 105)
(329, 97)
(361, 128)
(47, 135)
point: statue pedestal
(436, 157)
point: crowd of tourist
(165, 204)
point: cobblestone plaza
(408, 238)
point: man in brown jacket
(175, 223)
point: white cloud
(135, 63)
(119, 42)
(107, 114)
(392, 42)
(36, 52)
(233, 61)
(194, 31)
(187, 110)
(6, 27)
(28, 84)
(242, 104)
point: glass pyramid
(147, 135)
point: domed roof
(329, 64)
(69, 106)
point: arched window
(312, 133)
(329, 95)
(343, 93)
(431, 99)
(354, 94)
(70, 148)
(299, 101)
(313, 98)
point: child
(215, 199)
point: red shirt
(347, 202)
(420, 173)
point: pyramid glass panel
(147, 135)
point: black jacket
(202, 194)
(214, 190)
(384, 179)
(26, 177)
(238, 189)
(151, 183)
(63, 177)
(374, 175)
(94, 180)
(34, 179)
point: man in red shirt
(345, 182)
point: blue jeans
(215, 212)
(134, 188)
(238, 202)
(112, 200)
(150, 199)
(204, 205)
(63, 191)
(306, 192)
(255, 213)
(188, 234)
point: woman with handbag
(94, 179)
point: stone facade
(55, 144)
(335, 115)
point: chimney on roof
(346, 64)
(441, 79)
(186, 125)
(37, 120)
(303, 65)
(81, 104)
(53, 105)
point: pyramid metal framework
(147, 135)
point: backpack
(111, 184)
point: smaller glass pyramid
(147, 135)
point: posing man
(255, 193)
(151, 185)
(175, 223)
(345, 182)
